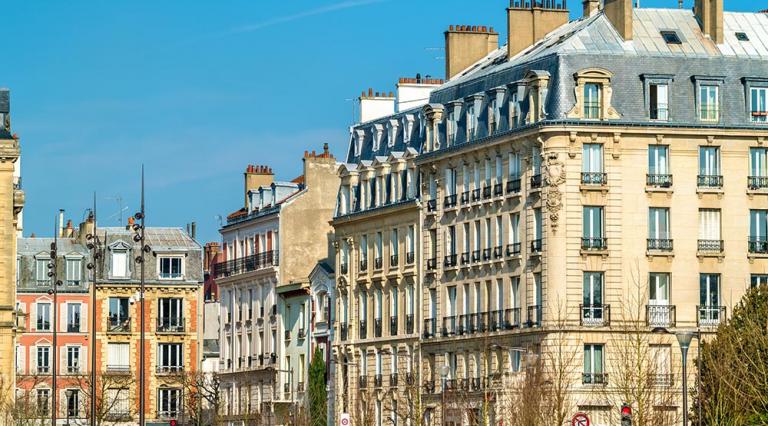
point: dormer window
(659, 101)
(759, 104)
(170, 267)
(492, 119)
(471, 122)
(592, 101)
(41, 272)
(74, 271)
(119, 266)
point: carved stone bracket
(572, 147)
(616, 152)
(554, 176)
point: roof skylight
(741, 36)
(671, 37)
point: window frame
(755, 84)
(170, 275)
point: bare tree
(22, 407)
(202, 397)
(112, 393)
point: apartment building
(11, 205)
(323, 302)
(378, 260)
(35, 353)
(173, 302)
(596, 179)
(269, 249)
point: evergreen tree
(318, 397)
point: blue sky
(196, 90)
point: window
(671, 37)
(709, 230)
(394, 243)
(118, 357)
(118, 314)
(43, 317)
(740, 36)
(592, 164)
(170, 315)
(119, 265)
(759, 104)
(514, 165)
(709, 167)
(41, 272)
(709, 299)
(43, 401)
(592, 101)
(514, 360)
(169, 402)
(493, 111)
(452, 125)
(659, 101)
(659, 237)
(73, 402)
(73, 317)
(659, 289)
(592, 309)
(758, 280)
(658, 166)
(661, 357)
(471, 122)
(117, 400)
(758, 231)
(593, 365)
(43, 359)
(514, 228)
(169, 357)
(592, 228)
(537, 224)
(411, 242)
(73, 359)
(758, 168)
(170, 267)
(74, 271)
(709, 107)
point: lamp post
(444, 370)
(684, 339)
(138, 228)
(93, 243)
(52, 273)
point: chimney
(194, 230)
(414, 92)
(375, 105)
(61, 223)
(5, 110)
(619, 12)
(86, 228)
(591, 7)
(255, 177)
(527, 23)
(465, 45)
(709, 13)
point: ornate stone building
(598, 187)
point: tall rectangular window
(593, 365)
(466, 238)
(394, 243)
(169, 402)
(41, 272)
(43, 359)
(592, 101)
(170, 315)
(493, 119)
(514, 165)
(471, 122)
(73, 359)
(514, 228)
(411, 242)
(73, 403)
(119, 265)
(709, 229)
(709, 299)
(758, 168)
(659, 235)
(592, 228)
(658, 159)
(537, 225)
(758, 231)
(73, 317)
(592, 164)
(170, 356)
(118, 356)
(659, 101)
(709, 167)
(43, 317)
(709, 103)
(759, 104)
(592, 299)
(118, 320)
(74, 271)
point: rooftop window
(741, 36)
(671, 37)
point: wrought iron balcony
(498, 190)
(486, 254)
(478, 322)
(486, 192)
(498, 252)
(410, 257)
(660, 315)
(662, 380)
(709, 181)
(431, 264)
(393, 325)
(246, 264)
(476, 194)
(431, 205)
(302, 333)
(476, 384)
(497, 320)
(595, 315)
(592, 243)
(449, 261)
(594, 178)
(169, 369)
(378, 262)
(409, 323)
(393, 379)
(511, 318)
(393, 260)
(513, 249)
(536, 246)
(287, 334)
(449, 201)
(170, 325)
(465, 258)
(534, 315)
(377, 380)
(758, 245)
(363, 265)
(363, 330)
(362, 382)
(377, 327)
(710, 246)
(536, 181)
(430, 328)
(659, 244)
(513, 186)
(344, 330)
(757, 182)
(476, 256)
(710, 316)
(662, 181)
(594, 378)
(449, 326)
(465, 197)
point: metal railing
(465, 197)
(498, 252)
(534, 315)
(363, 265)
(476, 194)
(449, 201)
(660, 315)
(663, 181)
(246, 264)
(393, 379)
(169, 369)
(660, 244)
(449, 326)
(409, 323)
(487, 253)
(377, 380)
(536, 181)
(431, 264)
(536, 245)
(377, 326)
(362, 332)
(410, 257)
(594, 178)
(710, 316)
(592, 243)
(170, 325)
(709, 181)
(710, 246)
(486, 192)
(378, 262)
(431, 205)
(594, 378)
(115, 325)
(475, 255)
(513, 249)
(393, 260)
(449, 261)
(513, 186)
(757, 182)
(344, 268)
(430, 328)
(464, 260)
(758, 245)
(498, 190)
(661, 380)
(362, 382)
(344, 330)
(595, 315)
(393, 325)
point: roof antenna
(679, 4)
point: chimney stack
(61, 223)
(591, 7)
(528, 23)
(709, 13)
(375, 105)
(619, 12)
(465, 45)
(255, 177)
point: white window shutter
(83, 359)
(63, 317)
(20, 359)
(62, 368)
(84, 317)
(33, 317)
(32, 359)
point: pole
(55, 322)
(684, 349)
(93, 318)
(141, 308)
(698, 379)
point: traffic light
(626, 415)
(172, 423)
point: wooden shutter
(63, 309)
(83, 317)
(20, 357)
(33, 317)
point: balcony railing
(73, 328)
(498, 252)
(476, 194)
(486, 192)
(465, 198)
(115, 325)
(246, 264)
(430, 328)
(497, 320)
(393, 379)
(475, 255)
(449, 326)
(475, 384)
(758, 245)
(710, 246)
(662, 181)
(534, 315)
(709, 181)
(595, 315)
(118, 369)
(410, 378)
(393, 326)
(431, 264)
(449, 201)
(378, 262)
(410, 257)
(710, 316)
(536, 181)
(170, 325)
(487, 254)
(363, 330)
(757, 182)
(593, 243)
(377, 380)
(594, 178)
(660, 244)
(450, 261)
(363, 265)
(169, 369)
(464, 260)
(362, 382)
(393, 260)
(377, 327)
(431, 205)
(594, 378)
(662, 380)
(536, 245)
(513, 249)
(344, 330)
(287, 334)
(513, 186)
(498, 190)
(511, 318)
(660, 316)
(478, 322)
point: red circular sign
(580, 419)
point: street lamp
(444, 370)
(684, 338)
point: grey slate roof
(159, 238)
(33, 246)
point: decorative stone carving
(554, 176)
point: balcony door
(709, 298)
(592, 161)
(709, 161)
(657, 160)
(658, 301)
(658, 224)
(593, 297)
